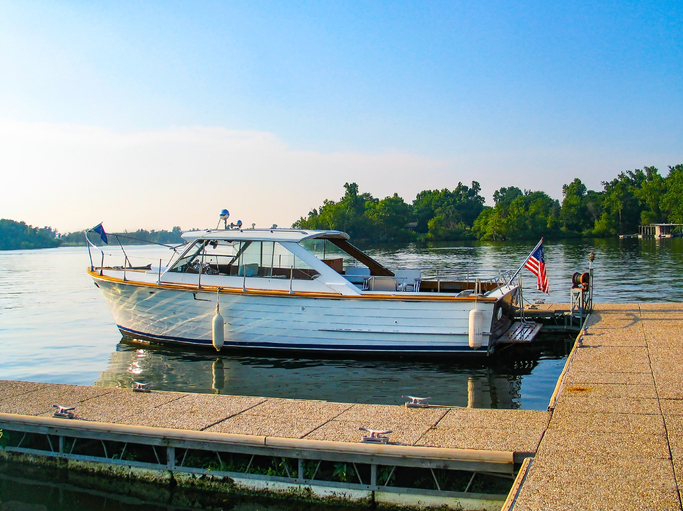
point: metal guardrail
(108, 444)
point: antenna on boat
(225, 214)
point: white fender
(476, 331)
(217, 330)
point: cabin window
(243, 258)
(212, 256)
(334, 256)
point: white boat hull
(297, 322)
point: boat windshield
(243, 258)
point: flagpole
(525, 260)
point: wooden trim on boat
(400, 296)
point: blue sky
(154, 114)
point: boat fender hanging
(476, 330)
(217, 330)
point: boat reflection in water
(520, 378)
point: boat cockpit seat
(357, 275)
(382, 284)
(250, 270)
(408, 280)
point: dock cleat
(64, 412)
(376, 436)
(140, 387)
(417, 402)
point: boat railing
(499, 278)
(464, 283)
(115, 257)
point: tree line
(636, 197)
(17, 235)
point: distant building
(658, 230)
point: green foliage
(634, 197)
(448, 215)
(362, 216)
(672, 199)
(386, 476)
(435, 215)
(519, 216)
(341, 472)
(18, 235)
(4, 439)
(575, 216)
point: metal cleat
(64, 412)
(377, 436)
(140, 387)
(417, 402)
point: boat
(298, 290)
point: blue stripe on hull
(304, 347)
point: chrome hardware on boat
(64, 412)
(417, 402)
(140, 387)
(376, 436)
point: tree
(652, 187)
(448, 215)
(621, 208)
(390, 217)
(575, 215)
(17, 235)
(672, 200)
(517, 216)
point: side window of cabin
(336, 258)
(285, 265)
(243, 258)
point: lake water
(55, 327)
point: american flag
(536, 265)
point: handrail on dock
(402, 455)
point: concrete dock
(614, 438)
(611, 439)
(514, 431)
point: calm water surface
(55, 327)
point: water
(55, 327)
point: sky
(160, 113)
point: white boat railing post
(159, 275)
(102, 265)
(291, 279)
(92, 266)
(244, 276)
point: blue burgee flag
(100, 230)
